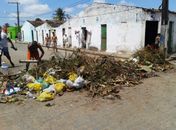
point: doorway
(103, 37)
(37, 35)
(151, 32)
(43, 37)
(32, 34)
(84, 37)
(170, 38)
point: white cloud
(99, 1)
(69, 10)
(31, 8)
(81, 6)
(124, 2)
(72, 10)
(25, 2)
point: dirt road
(149, 106)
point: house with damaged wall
(115, 28)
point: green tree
(60, 15)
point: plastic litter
(50, 79)
(59, 87)
(5, 68)
(44, 84)
(72, 76)
(28, 78)
(30, 95)
(11, 91)
(35, 86)
(50, 89)
(46, 96)
(79, 83)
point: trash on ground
(100, 76)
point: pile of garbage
(152, 58)
(99, 76)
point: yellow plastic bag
(72, 76)
(50, 79)
(59, 87)
(46, 96)
(34, 86)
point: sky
(44, 9)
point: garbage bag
(51, 88)
(72, 76)
(11, 91)
(50, 71)
(50, 79)
(59, 87)
(35, 86)
(69, 84)
(62, 81)
(44, 84)
(28, 78)
(79, 82)
(46, 96)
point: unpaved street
(149, 106)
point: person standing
(54, 41)
(47, 41)
(34, 53)
(4, 45)
(65, 41)
(157, 41)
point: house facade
(29, 32)
(114, 28)
(48, 27)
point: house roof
(54, 23)
(143, 8)
(36, 23)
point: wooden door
(103, 37)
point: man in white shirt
(4, 45)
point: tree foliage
(60, 15)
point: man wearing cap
(4, 45)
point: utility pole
(164, 24)
(18, 14)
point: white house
(29, 32)
(47, 27)
(114, 28)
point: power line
(77, 3)
(115, 12)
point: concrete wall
(45, 28)
(26, 32)
(124, 29)
(172, 17)
(126, 26)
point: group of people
(51, 41)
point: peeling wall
(125, 26)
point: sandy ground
(148, 106)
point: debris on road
(101, 76)
(152, 58)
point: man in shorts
(47, 41)
(34, 53)
(54, 41)
(4, 45)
